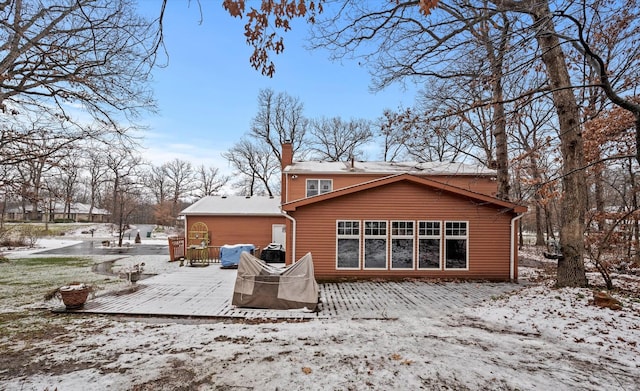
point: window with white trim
(456, 245)
(402, 244)
(429, 245)
(318, 186)
(375, 244)
(348, 244)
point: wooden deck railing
(197, 255)
(207, 255)
(176, 248)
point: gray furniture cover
(259, 285)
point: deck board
(207, 292)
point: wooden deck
(206, 292)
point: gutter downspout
(286, 196)
(513, 245)
(293, 236)
(186, 236)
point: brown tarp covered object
(260, 285)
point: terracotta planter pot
(74, 296)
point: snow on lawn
(535, 338)
(408, 353)
(41, 244)
(567, 316)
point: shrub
(64, 221)
(29, 234)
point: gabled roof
(387, 168)
(235, 205)
(291, 206)
(81, 208)
(75, 207)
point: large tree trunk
(537, 177)
(116, 184)
(499, 131)
(598, 181)
(539, 226)
(635, 234)
(571, 270)
(548, 220)
(500, 134)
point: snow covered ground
(537, 338)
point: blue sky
(207, 96)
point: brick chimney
(287, 154)
(286, 158)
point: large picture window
(402, 244)
(375, 244)
(348, 244)
(318, 186)
(429, 244)
(456, 245)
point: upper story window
(318, 186)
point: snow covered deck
(207, 291)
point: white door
(279, 234)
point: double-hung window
(348, 244)
(318, 186)
(402, 244)
(429, 245)
(375, 244)
(456, 239)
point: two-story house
(388, 220)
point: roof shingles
(235, 205)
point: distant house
(16, 213)
(78, 212)
(381, 219)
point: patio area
(206, 292)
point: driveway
(95, 247)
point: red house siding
(237, 229)
(488, 229)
